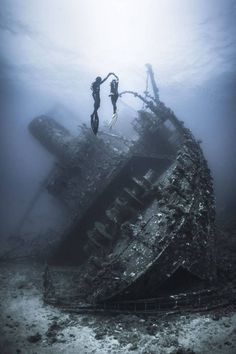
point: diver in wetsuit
(114, 97)
(95, 87)
(114, 93)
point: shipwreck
(143, 231)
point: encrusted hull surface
(153, 229)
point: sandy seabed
(29, 326)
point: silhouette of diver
(95, 87)
(114, 93)
(114, 97)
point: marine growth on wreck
(143, 214)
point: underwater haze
(51, 51)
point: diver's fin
(113, 120)
(94, 124)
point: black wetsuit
(96, 96)
(114, 94)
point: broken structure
(143, 213)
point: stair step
(120, 202)
(93, 240)
(139, 184)
(113, 216)
(149, 177)
(102, 230)
(133, 196)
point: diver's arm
(115, 76)
(108, 77)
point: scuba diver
(114, 97)
(114, 94)
(95, 87)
